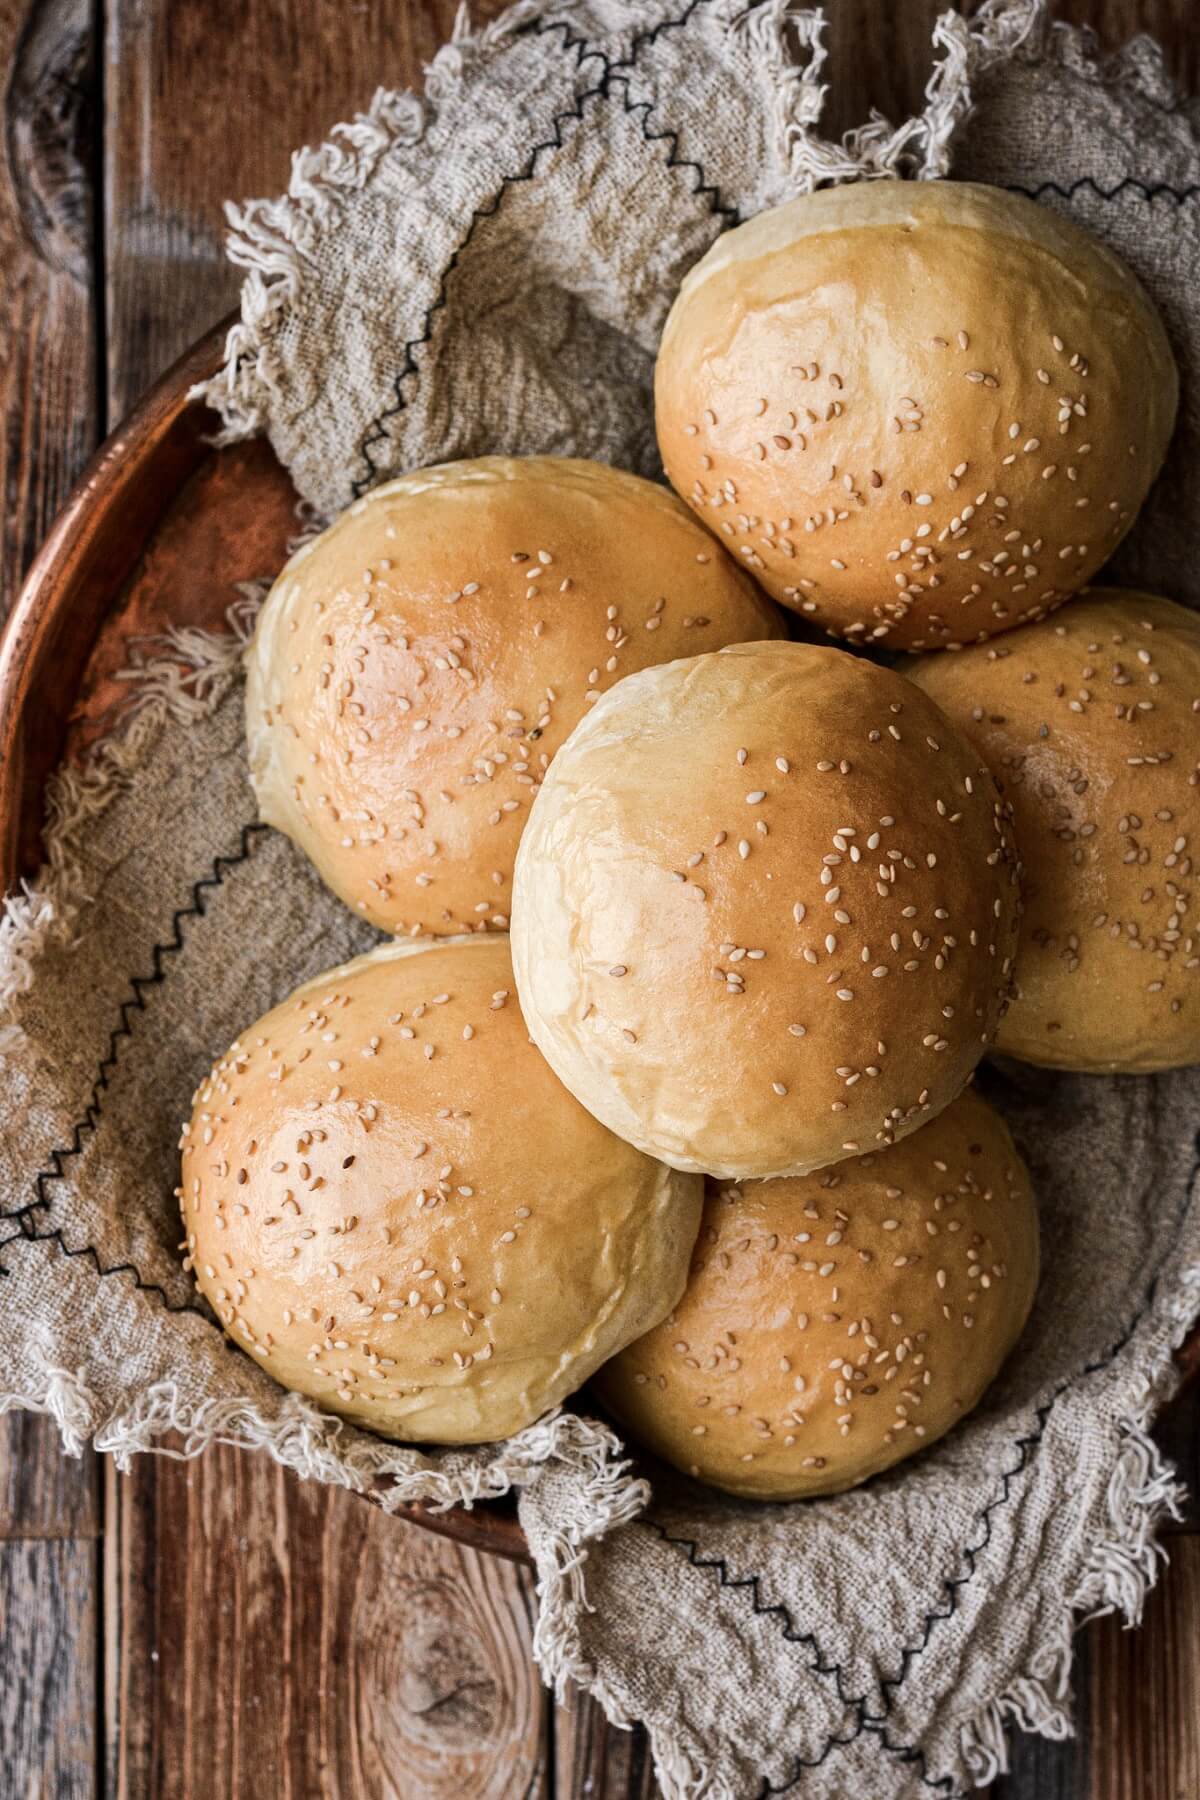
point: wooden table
(215, 1629)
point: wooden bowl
(155, 533)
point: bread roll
(764, 910)
(417, 666)
(392, 1203)
(834, 1324)
(1091, 724)
(920, 412)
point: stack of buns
(699, 932)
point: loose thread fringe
(319, 1447)
(788, 42)
(190, 669)
(181, 674)
(614, 1497)
(610, 1497)
(274, 239)
(1122, 1566)
(683, 1772)
(920, 147)
(44, 912)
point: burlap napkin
(488, 269)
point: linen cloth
(487, 268)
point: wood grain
(273, 1638)
(205, 100)
(869, 68)
(593, 1760)
(48, 1690)
(1144, 1700)
(48, 400)
(44, 1494)
(49, 1513)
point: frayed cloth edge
(273, 239)
(320, 1447)
(183, 674)
(1121, 1568)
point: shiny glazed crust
(416, 667)
(392, 1203)
(1091, 724)
(919, 412)
(765, 910)
(837, 1323)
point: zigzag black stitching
(952, 1585)
(1155, 190)
(912, 1753)
(89, 1250)
(123, 1030)
(376, 432)
(890, 1684)
(819, 1665)
(704, 189)
(23, 1216)
(855, 1704)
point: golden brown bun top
(392, 1203)
(416, 667)
(1091, 723)
(835, 1323)
(919, 412)
(765, 910)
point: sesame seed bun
(764, 910)
(1091, 724)
(392, 1203)
(416, 667)
(920, 412)
(834, 1324)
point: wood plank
(48, 370)
(1041, 1769)
(47, 1694)
(593, 1760)
(869, 67)
(259, 81)
(1177, 1434)
(44, 1494)
(48, 427)
(275, 1638)
(1145, 1692)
